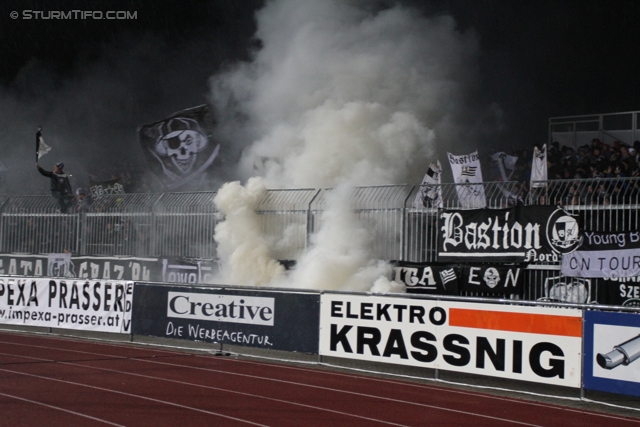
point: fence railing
(575, 131)
(183, 224)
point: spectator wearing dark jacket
(83, 203)
(60, 185)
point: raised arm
(44, 172)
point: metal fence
(182, 224)
(30, 224)
(378, 210)
(575, 131)
(172, 224)
(286, 221)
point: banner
(612, 352)
(539, 167)
(427, 278)
(82, 267)
(164, 269)
(98, 189)
(605, 255)
(430, 193)
(492, 279)
(567, 289)
(623, 291)
(88, 305)
(468, 175)
(265, 319)
(59, 265)
(538, 344)
(186, 270)
(506, 164)
(179, 149)
(516, 235)
(109, 268)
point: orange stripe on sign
(516, 322)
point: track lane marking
(286, 401)
(211, 388)
(333, 373)
(133, 395)
(61, 409)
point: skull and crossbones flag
(179, 149)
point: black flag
(179, 149)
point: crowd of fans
(595, 160)
(587, 166)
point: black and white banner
(468, 175)
(430, 193)
(605, 255)
(427, 278)
(274, 320)
(187, 270)
(568, 289)
(506, 164)
(90, 305)
(518, 234)
(623, 291)
(539, 167)
(98, 188)
(165, 269)
(179, 149)
(492, 279)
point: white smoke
(339, 257)
(343, 96)
(242, 249)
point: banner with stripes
(468, 175)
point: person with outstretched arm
(60, 185)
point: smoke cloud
(241, 247)
(89, 116)
(341, 96)
(90, 83)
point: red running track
(50, 381)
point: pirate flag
(179, 149)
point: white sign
(69, 304)
(221, 308)
(618, 350)
(468, 175)
(536, 344)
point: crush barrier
(567, 349)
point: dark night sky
(539, 59)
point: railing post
(2, 221)
(154, 228)
(403, 231)
(81, 246)
(310, 220)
